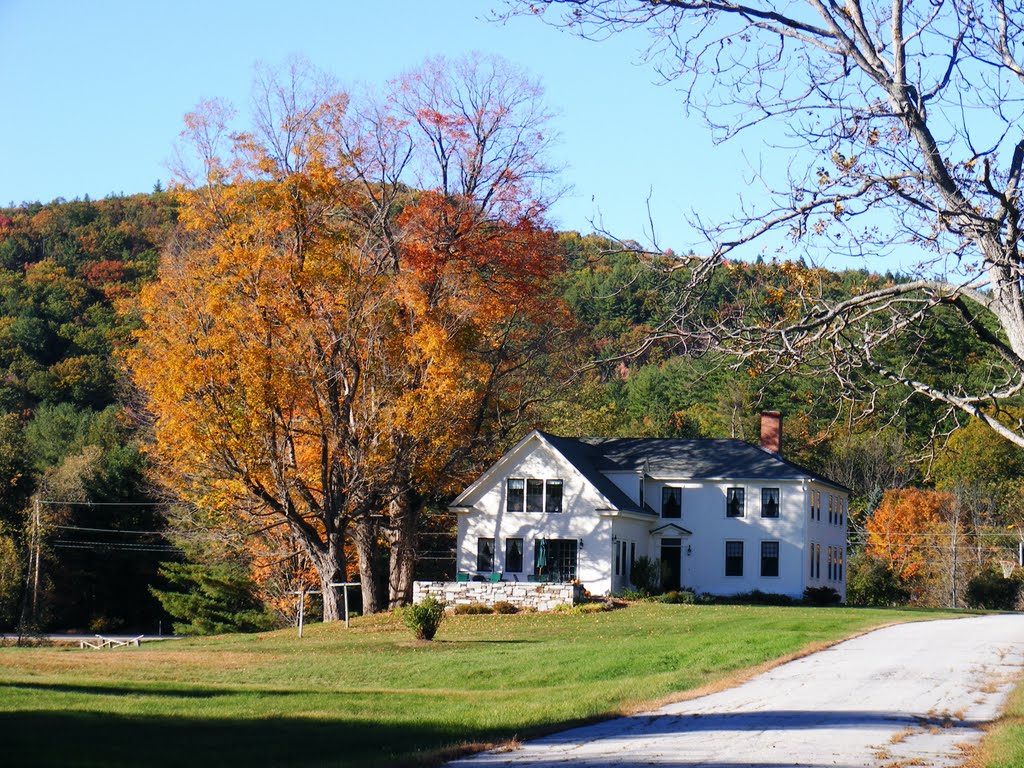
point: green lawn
(371, 696)
(1004, 745)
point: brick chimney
(771, 431)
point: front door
(671, 564)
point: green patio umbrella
(542, 555)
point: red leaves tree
(355, 309)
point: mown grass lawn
(371, 696)
(1004, 745)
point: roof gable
(612, 495)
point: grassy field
(1004, 744)
(371, 696)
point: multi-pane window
(769, 558)
(533, 495)
(734, 502)
(671, 502)
(831, 510)
(514, 498)
(555, 559)
(840, 577)
(514, 555)
(829, 566)
(734, 558)
(485, 555)
(553, 496)
(817, 561)
(770, 502)
(622, 563)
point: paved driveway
(903, 696)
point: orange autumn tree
(328, 345)
(900, 531)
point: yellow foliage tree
(899, 531)
(326, 344)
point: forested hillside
(74, 474)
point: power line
(106, 503)
(112, 530)
(100, 545)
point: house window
(840, 564)
(618, 559)
(817, 561)
(534, 495)
(829, 563)
(769, 558)
(831, 514)
(734, 498)
(770, 502)
(553, 500)
(671, 502)
(632, 555)
(514, 555)
(485, 555)
(514, 489)
(555, 559)
(734, 558)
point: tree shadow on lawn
(148, 690)
(80, 739)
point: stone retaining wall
(523, 594)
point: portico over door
(669, 541)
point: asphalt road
(904, 695)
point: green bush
(472, 609)
(647, 575)
(993, 591)
(212, 599)
(821, 596)
(679, 597)
(424, 618)
(503, 606)
(870, 582)
(756, 597)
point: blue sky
(95, 93)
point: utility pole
(37, 537)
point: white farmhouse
(724, 516)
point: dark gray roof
(582, 455)
(672, 458)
